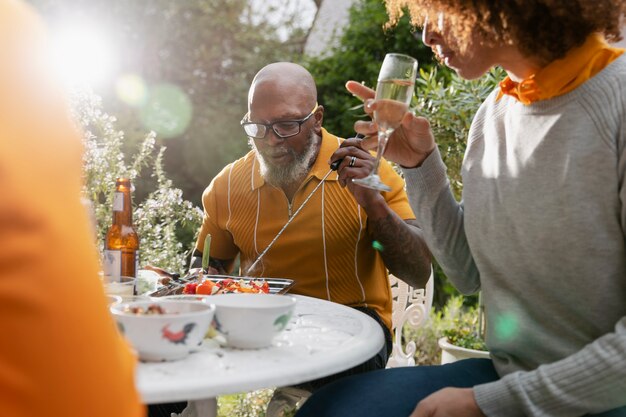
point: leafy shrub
(160, 216)
(465, 336)
(251, 404)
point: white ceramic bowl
(164, 337)
(251, 321)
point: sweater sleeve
(441, 218)
(591, 380)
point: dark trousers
(166, 409)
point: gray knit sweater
(541, 232)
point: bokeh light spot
(131, 89)
(167, 110)
(378, 246)
(506, 326)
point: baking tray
(176, 286)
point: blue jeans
(396, 392)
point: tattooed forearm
(402, 248)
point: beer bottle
(121, 257)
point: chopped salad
(227, 286)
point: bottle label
(118, 201)
(112, 264)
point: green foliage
(455, 315)
(443, 290)
(251, 404)
(358, 56)
(466, 337)
(157, 218)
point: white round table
(323, 338)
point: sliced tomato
(206, 287)
(190, 288)
(226, 282)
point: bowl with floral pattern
(163, 330)
(252, 321)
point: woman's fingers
(360, 90)
(370, 143)
(365, 128)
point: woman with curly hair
(541, 228)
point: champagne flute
(396, 82)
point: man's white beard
(285, 174)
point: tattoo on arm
(403, 248)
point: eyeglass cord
(333, 167)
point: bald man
(341, 244)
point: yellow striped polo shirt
(326, 250)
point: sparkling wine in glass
(396, 82)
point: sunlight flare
(81, 55)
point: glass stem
(382, 144)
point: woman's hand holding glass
(396, 84)
(408, 145)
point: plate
(277, 285)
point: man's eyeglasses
(282, 128)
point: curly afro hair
(542, 29)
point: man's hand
(357, 163)
(408, 145)
(449, 402)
